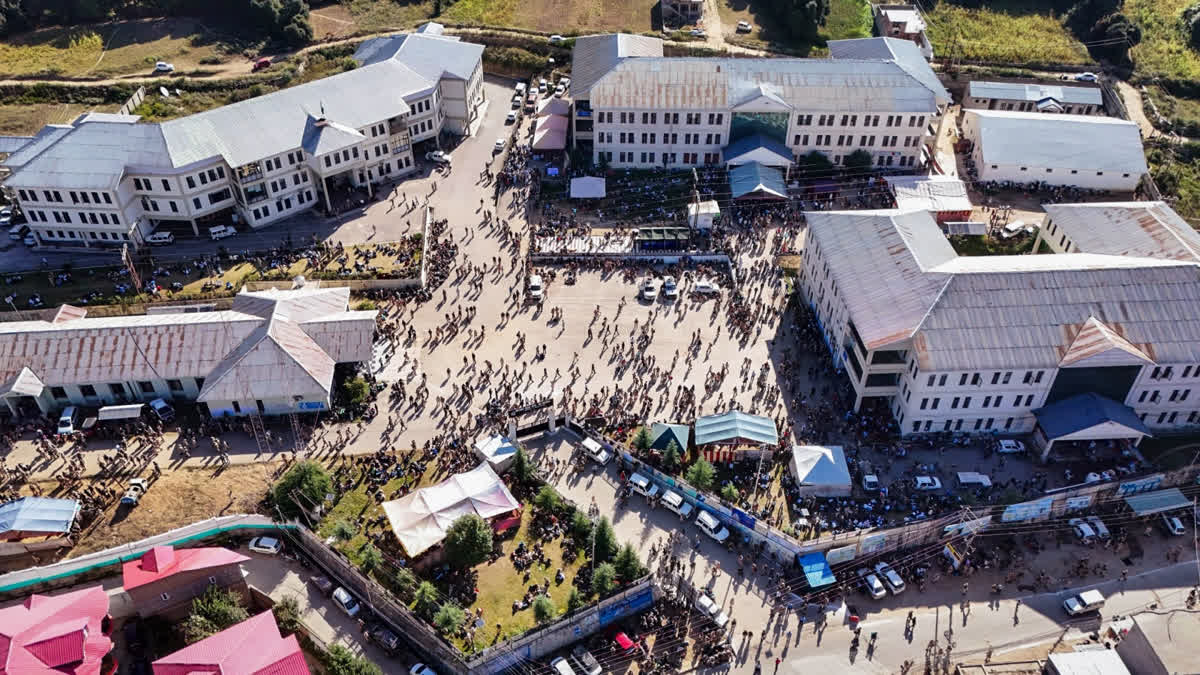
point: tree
(369, 559)
(671, 458)
(522, 467)
(547, 500)
(212, 612)
(1191, 24)
(356, 390)
(605, 540)
(342, 661)
(305, 484)
(858, 161)
(813, 163)
(642, 439)
(406, 581)
(700, 474)
(627, 564)
(543, 609)
(287, 615)
(468, 541)
(574, 600)
(448, 618)
(803, 18)
(425, 600)
(604, 579)
(343, 531)
(729, 493)
(581, 526)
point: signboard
(971, 526)
(744, 518)
(837, 556)
(1027, 510)
(628, 605)
(1140, 485)
(1076, 503)
(872, 544)
(311, 405)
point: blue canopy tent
(736, 428)
(759, 149)
(817, 572)
(36, 517)
(1086, 417)
(662, 434)
(757, 181)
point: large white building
(633, 107)
(273, 352)
(984, 344)
(1087, 151)
(111, 179)
(1034, 97)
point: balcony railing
(249, 176)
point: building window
(174, 385)
(146, 387)
(58, 392)
(87, 390)
(165, 597)
(936, 401)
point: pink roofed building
(57, 635)
(164, 580)
(252, 647)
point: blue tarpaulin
(736, 427)
(756, 180)
(1085, 411)
(36, 516)
(816, 570)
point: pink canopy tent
(550, 133)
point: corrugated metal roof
(38, 515)
(736, 425)
(1020, 91)
(430, 55)
(1147, 229)
(62, 645)
(720, 83)
(904, 53)
(595, 55)
(161, 562)
(930, 193)
(106, 117)
(42, 619)
(1083, 142)
(23, 383)
(252, 647)
(44, 138)
(322, 136)
(908, 17)
(11, 144)
(1096, 344)
(93, 155)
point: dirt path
(1137, 113)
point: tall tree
(305, 484)
(700, 474)
(468, 541)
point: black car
(384, 637)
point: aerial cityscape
(654, 336)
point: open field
(108, 50)
(1016, 32)
(1184, 113)
(1163, 50)
(847, 19)
(25, 120)
(368, 16)
(584, 16)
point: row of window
(282, 205)
(1073, 171)
(863, 141)
(988, 402)
(980, 424)
(421, 106)
(998, 377)
(668, 158)
(1172, 417)
(668, 118)
(343, 157)
(85, 218)
(72, 234)
(421, 127)
(1030, 106)
(118, 388)
(852, 120)
(378, 130)
(214, 174)
(652, 138)
(280, 184)
(1165, 372)
(1179, 395)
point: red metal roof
(161, 562)
(55, 635)
(252, 647)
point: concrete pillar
(1046, 450)
(857, 401)
(553, 421)
(370, 188)
(325, 189)
(512, 430)
(11, 408)
(195, 227)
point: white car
(871, 584)
(709, 524)
(1010, 447)
(1086, 77)
(346, 602)
(1173, 525)
(560, 90)
(5, 217)
(927, 483)
(650, 289)
(164, 67)
(1099, 526)
(643, 486)
(67, 420)
(870, 482)
(266, 545)
(557, 39)
(499, 146)
(421, 669)
(30, 240)
(517, 101)
(596, 452)
(676, 504)
(438, 157)
(160, 239)
(536, 289)
(1083, 531)
(743, 27)
(220, 232)
(706, 287)
(511, 118)
(706, 604)
(670, 289)
(894, 583)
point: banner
(960, 529)
(872, 544)
(744, 518)
(837, 556)
(1076, 503)
(1027, 510)
(1140, 485)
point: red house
(55, 635)
(252, 647)
(164, 580)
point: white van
(709, 524)
(220, 232)
(1087, 601)
(676, 504)
(535, 287)
(561, 667)
(643, 486)
(521, 88)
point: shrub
(307, 482)
(214, 611)
(547, 500)
(343, 531)
(581, 526)
(366, 306)
(369, 559)
(701, 474)
(574, 600)
(357, 390)
(671, 458)
(543, 609)
(468, 541)
(341, 661)
(627, 565)
(858, 161)
(287, 615)
(604, 579)
(522, 467)
(448, 618)
(425, 600)
(605, 540)
(729, 493)
(642, 439)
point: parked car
(1086, 77)
(542, 86)
(650, 288)
(510, 118)
(698, 32)
(871, 584)
(421, 669)
(870, 482)
(560, 666)
(1010, 447)
(744, 27)
(346, 602)
(706, 604)
(709, 525)
(890, 577)
(706, 287)
(1083, 531)
(642, 485)
(670, 289)
(17, 232)
(927, 483)
(1084, 603)
(68, 421)
(384, 637)
(586, 662)
(596, 452)
(323, 584)
(220, 232)
(560, 90)
(134, 491)
(160, 239)
(162, 410)
(30, 240)
(1099, 526)
(557, 39)
(438, 157)
(535, 287)
(516, 101)
(164, 67)
(266, 545)
(498, 146)
(6, 216)
(261, 64)
(676, 504)
(1172, 525)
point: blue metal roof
(1085, 411)
(756, 178)
(816, 570)
(735, 427)
(662, 434)
(749, 144)
(36, 515)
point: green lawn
(1164, 50)
(1016, 32)
(25, 120)
(847, 19)
(1183, 112)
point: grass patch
(25, 120)
(1183, 113)
(369, 16)
(847, 19)
(969, 246)
(1017, 32)
(108, 50)
(551, 16)
(1164, 50)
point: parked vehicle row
(705, 521)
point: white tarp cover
(587, 187)
(821, 471)
(420, 519)
(120, 412)
(497, 451)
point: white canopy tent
(497, 451)
(420, 519)
(821, 471)
(587, 187)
